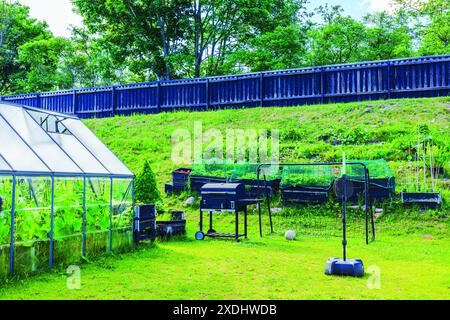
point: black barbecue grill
(224, 197)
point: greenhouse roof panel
(3, 165)
(87, 162)
(96, 147)
(16, 152)
(38, 142)
(41, 142)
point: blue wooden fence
(400, 78)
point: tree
(283, 48)
(146, 190)
(432, 23)
(39, 62)
(388, 37)
(87, 62)
(338, 40)
(182, 38)
(143, 34)
(16, 29)
(436, 35)
(222, 28)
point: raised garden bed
(197, 182)
(380, 189)
(170, 189)
(425, 200)
(306, 184)
(208, 173)
(168, 229)
(293, 195)
(381, 182)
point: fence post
(38, 100)
(207, 95)
(322, 86)
(261, 89)
(74, 102)
(389, 78)
(158, 97)
(114, 100)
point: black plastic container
(144, 223)
(180, 177)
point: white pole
(344, 166)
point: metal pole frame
(110, 215)
(52, 224)
(367, 204)
(83, 225)
(344, 214)
(132, 192)
(13, 212)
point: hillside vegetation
(364, 130)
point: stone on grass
(189, 201)
(378, 212)
(290, 235)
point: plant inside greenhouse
(64, 194)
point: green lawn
(413, 265)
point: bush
(146, 191)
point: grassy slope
(272, 267)
(370, 130)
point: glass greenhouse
(63, 194)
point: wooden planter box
(292, 195)
(425, 200)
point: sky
(60, 16)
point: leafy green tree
(142, 34)
(162, 39)
(283, 48)
(16, 29)
(39, 61)
(436, 35)
(146, 190)
(431, 20)
(388, 37)
(338, 40)
(87, 62)
(224, 28)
